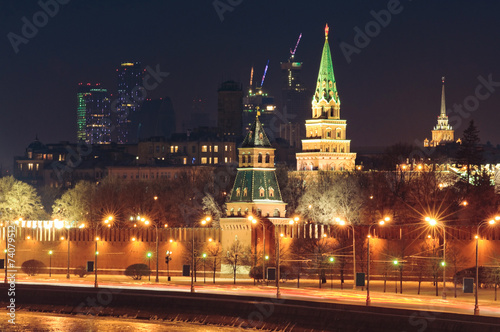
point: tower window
(260, 158)
(268, 158)
(271, 192)
(261, 192)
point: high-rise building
(443, 132)
(130, 98)
(326, 146)
(229, 109)
(295, 97)
(156, 118)
(93, 114)
(258, 101)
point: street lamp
(491, 222)
(203, 222)
(331, 260)
(50, 263)
(167, 260)
(204, 270)
(147, 223)
(381, 222)
(433, 222)
(149, 259)
(255, 221)
(344, 223)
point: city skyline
(396, 75)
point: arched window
(245, 191)
(232, 212)
(243, 159)
(249, 159)
(271, 192)
(276, 212)
(268, 158)
(261, 192)
(260, 158)
(238, 191)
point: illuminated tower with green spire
(325, 146)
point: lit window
(225, 148)
(172, 149)
(184, 161)
(30, 166)
(261, 192)
(203, 160)
(176, 148)
(210, 160)
(271, 192)
(210, 148)
(216, 148)
(204, 148)
(216, 160)
(225, 159)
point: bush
(80, 271)
(256, 272)
(137, 271)
(32, 267)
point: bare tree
(214, 250)
(237, 256)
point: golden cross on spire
(326, 31)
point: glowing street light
(342, 222)
(433, 222)
(149, 254)
(381, 223)
(491, 223)
(50, 263)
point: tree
(19, 200)
(237, 256)
(315, 252)
(75, 203)
(332, 196)
(32, 267)
(214, 250)
(137, 271)
(470, 153)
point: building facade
(129, 99)
(443, 132)
(93, 114)
(229, 109)
(326, 146)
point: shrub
(256, 272)
(32, 267)
(80, 271)
(137, 271)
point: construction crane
(264, 76)
(292, 53)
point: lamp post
(149, 259)
(433, 222)
(204, 270)
(278, 293)
(167, 260)
(491, 222)
(254, 221)
(67, 236)
(147, 222)
(381, 222)
(332, 260)
(343, 223)
(203, 222)
(50, 263)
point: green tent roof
(256, 136)
(326, 86)
(249, 182)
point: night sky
(390, 91)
